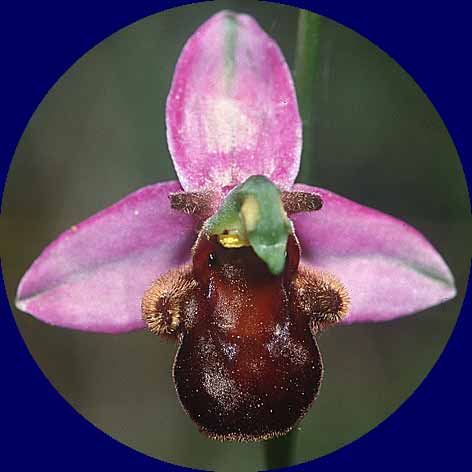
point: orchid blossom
(236, 262)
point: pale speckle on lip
(230, 350)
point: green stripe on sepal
(230, 39)
(253, 214)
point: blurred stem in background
(280, 452)
(306, 59)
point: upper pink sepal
(93, 276)
(388, 267)
(232, 110)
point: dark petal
(246, 369)
(207, 252)
(243, 390)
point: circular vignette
(356, 446)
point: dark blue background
(39, 43)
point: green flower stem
(280, 452)
(306, 62)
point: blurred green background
(99, 134)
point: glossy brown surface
(246, 367)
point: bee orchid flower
(234, 261)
